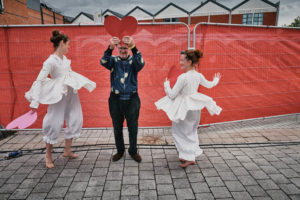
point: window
(175, 19)
(171, 20)
(256, 18)
(247, 18)
(1, 6)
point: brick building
(256, 12)
(141, 14)
(29, 12)
(83, 18)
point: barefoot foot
(49, 162)
(70, 155)
(187, 163)
(182, 160)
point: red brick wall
(16, 12)
(213, 18)
(59, 18)
(34, 17)
(145, 21)
(184, 20)
(219, 18)
(158, 20)
(236, 19)
(270, 18)
(195, 20)
(47, 16)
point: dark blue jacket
(123, 76)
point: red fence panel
(260, 70)
(23, 50)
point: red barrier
(260, 68)
(23, 50)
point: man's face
(123, 51)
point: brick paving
(256, 159)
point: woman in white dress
(183, 105)
(60, 92)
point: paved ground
(257, 159)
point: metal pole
(277, 16)
(168, 23)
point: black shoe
(117, 157)
(136, 157)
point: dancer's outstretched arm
(36, 86)
(210, 84)
(172, 93)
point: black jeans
(119, 110)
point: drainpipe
(42, 15)
(54, 20)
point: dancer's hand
(218, 76)
(128, 40)
(114, 41)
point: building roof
(246, 1)
(91, 17)
(171, 5)
(68, 19)
(113, 12)
(207, 3)
(139, 8)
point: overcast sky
(289, 9)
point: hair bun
(57, 37)
(198, 53)
(55, 33)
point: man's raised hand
(114, 41)
(128, 40)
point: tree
(296, 22)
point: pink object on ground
(23, 121)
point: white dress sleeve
(206, 83)
(36, 86)
(172, 93)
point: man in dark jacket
(124, 101)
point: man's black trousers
(119, 110)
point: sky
(289, 9)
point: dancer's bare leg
(68, 153)
(48, 156)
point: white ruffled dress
(185, 97)
(183, 105)
(51, 90)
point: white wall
(82, 19)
